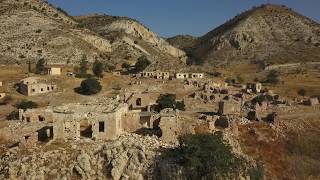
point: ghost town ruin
(167, 75)
(2, 94)
(33, 86)
(98, 121)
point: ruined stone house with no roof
(53, 71)
(97, 121)
(33, 86)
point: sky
(172, 17)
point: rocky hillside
(31, 29)
(270, 33)
(130, 39)
(184, 42)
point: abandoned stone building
(2, 95)
(162, 75)
(53, 71)
(182, 75)
(255, 87)
(147, 74)
(197, 75)
(33, 86)
(312, 101)
(229, 107)
(141, 101)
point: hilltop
(268, 34)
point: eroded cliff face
(135, 29)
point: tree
(208, 156)
(40, 66)
(126, 66)
(240, 79)
(142, 64)
(83, 66)
(97, 69)
(25, 104)
(89, 87)
(302, 92)
(169, 101)
(273, 77)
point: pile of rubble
(129, 157)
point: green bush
(97, 69)
(126, 66)
(169, 101)
(14, 115)
(25, 104)
(83, 67)
(302, 92)
(256, 173)
(208, 156)
(40, 66)
(142, 64)
(273, 77)
(89, 87)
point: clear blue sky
(172, 17)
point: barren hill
(270, 34)
(33, 29)
(130, 39)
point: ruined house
(141, 101)
(33, 86)
(255, 87)
(162, 75)
(147, 74)
(229, 107)
(169, 125)
(75, 121)
(197, 75)
(53, 71)
(2, 95)
(312, 101)
(182, 75)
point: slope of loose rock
(32, 29)
(270, 33)
(130, 40)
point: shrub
(142, 64)
(97, 69)
(240, 79)
(25, 104)
(256, 173)
(169, 101)
(273, 77)
(208, 156)
(89, 87)
(14, 115)
(109, 67)
(302, 92)
(38, 31)
(83, 67)
(126, 66)
(40, 66)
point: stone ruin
(312, 101)
(53, 71)
(97, 121)
(33, 86)
(2, 94)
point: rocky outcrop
(129, 157)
